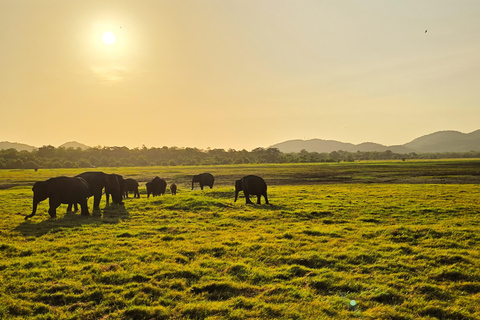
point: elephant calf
(61, 190)
(173, 189)
(156, 187)
(131, 185)
(251, 185)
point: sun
(109, 38)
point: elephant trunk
(116, 196)
(34, 210)
(236, 195)
(192, 183)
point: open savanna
(367, 240)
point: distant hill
(446, 141)
(441, 141)
(74, 145)
(14, 145)
(22, 146)
(318, 145)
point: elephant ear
(41, 189)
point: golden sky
(237, 74)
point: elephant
(98, 180)
(131, 185)
(173, 189)
(251, 185)
(61, 190)
(150, 189)
(156, 187)
(205, 179)
(111, 190)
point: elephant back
(96, 181)
(254, 184)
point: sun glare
(108, 38)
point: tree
(142, 161)
(84, 163)
(46, 151)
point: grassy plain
(372, 240)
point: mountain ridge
(440, 141)
(436, 142)
(22, 146)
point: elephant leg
(96, 201)
(70, 207)
(107, 196)
(54, 203)
(258, 198)
(247, 199)
(201, 185)
(266, 198)
(84, 207)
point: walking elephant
(131, 185)
(204, 179)
(156, 187)
(61, 190)
(98, 180)
(251, 185)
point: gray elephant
(251, 185)
(131, 185)
(61, 190)
(156, 187)
(204, 179)
(97, 181)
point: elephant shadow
(111, 214)
(267, 207)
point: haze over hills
(441, 141)
(17, 146)
(74, 145)
(22, 146)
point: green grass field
(368, 240)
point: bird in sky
(426, 31)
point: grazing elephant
(150, 189)
(131, 185)
(156, 187)
(205, 179)
(173, 189)
(61, 190)
(111, 189)
(99, 180)
(251, 185)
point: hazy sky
(237, 74)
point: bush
(70, 164)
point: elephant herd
(76, 190)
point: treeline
(51, 157)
